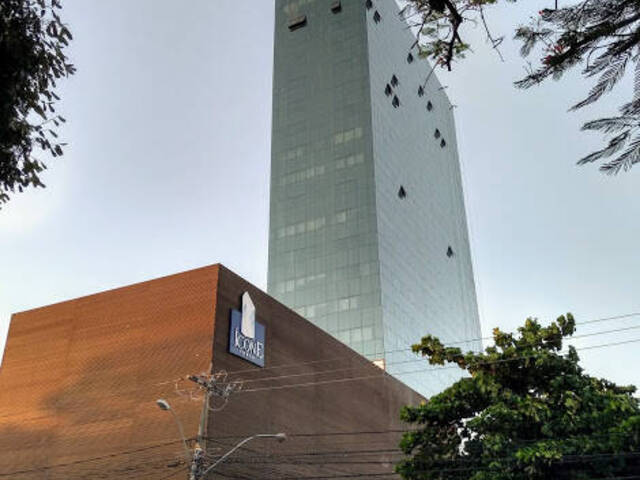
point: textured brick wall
(80, 378)
(314, 388)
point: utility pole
(213, 385)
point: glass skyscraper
(368, 234)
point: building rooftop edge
(213, 266)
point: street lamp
(164, 405)
(193, 459)
(280, 437)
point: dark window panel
(297, 22)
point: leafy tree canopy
(32, 43)
(602, 36)
(527, 411)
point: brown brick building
(80, 380)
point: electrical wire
(406, 349)
(93, 459)
(443, 467)
(418, 359)
(321, 454)
(384, 374)
(417, 430)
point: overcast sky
(168, 170)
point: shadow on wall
(103, 421)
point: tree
(526, 412)
(601, 35)
(32, 43)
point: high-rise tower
(368, 235)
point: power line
(311, 454)
(565, 459)
(418, 359)
(140, 466)
(358, 475)
(92, 459)
(173, 474)
(384, 374)
(443, 468)
(368, 364)
(417, 430)
(406, 350)
(380, 375)
(396, 451)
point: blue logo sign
(246, 336)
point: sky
(167, 169)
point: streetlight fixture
(191, 459)
(280, 437)
(164, 405)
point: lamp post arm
(224, 457)
(187, 453)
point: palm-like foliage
(601, 35)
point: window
(356, 335)
(297, 22)
(349, 161)
(336, 6)
(409, 58)
(429, 105)
(436, 134)
(395, 102)
(421, 91)
(402, 193)
(376, 17)
(343, 304)
(443, 143)
(347, 135)
(394, 80)
(368, 4)
(450, 252)
(388, 90)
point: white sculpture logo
(248, 325)
(246, 336)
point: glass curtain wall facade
(368, 236)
